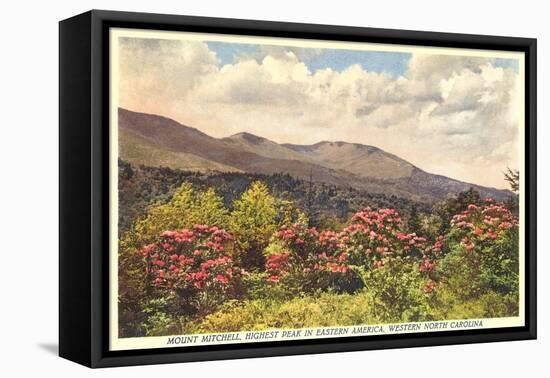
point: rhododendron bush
(376, 235)
(480, 226)
(372, 239)
(484, 254)
(310, 260)
(195, 264)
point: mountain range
(153, 140)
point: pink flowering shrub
(373, 235)
(299, 238)
(311, 260)
(193, 262)
(484, 251)
(372, 239)
(429, 261)
(277, 266)
(396, 267)
(480, 226)
(377, 237)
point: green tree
(253, 221)
(413, 222)
(184, 210)
(512, 176)
(289, 213)
(208, 209)
(445, 210)
(468, 197)
(430, 226)
(173, 215)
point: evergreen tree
(208, 208)
(414, 220)
(289, 213)
(512, 176)
(445, 210)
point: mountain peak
(336, 146)
(143, 121)
(340, 143)
(250, 138)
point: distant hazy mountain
(154, 140)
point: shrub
(159, 317)
(194, 264)
(309, 261)
(376, 239)
(256, 286)
(483, 253)
(448, 305)
(323, 310)
(398, 290)
(275, 247)
(373, 235)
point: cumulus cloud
(303, 54)
(451, 115)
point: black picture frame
(84, 186)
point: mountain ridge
(154, 140)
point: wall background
(29, 189)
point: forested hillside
(324, 204)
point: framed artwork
(234, 188)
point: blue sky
(393, 63)
(507, 63)
(228, 52)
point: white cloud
(456, 116)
